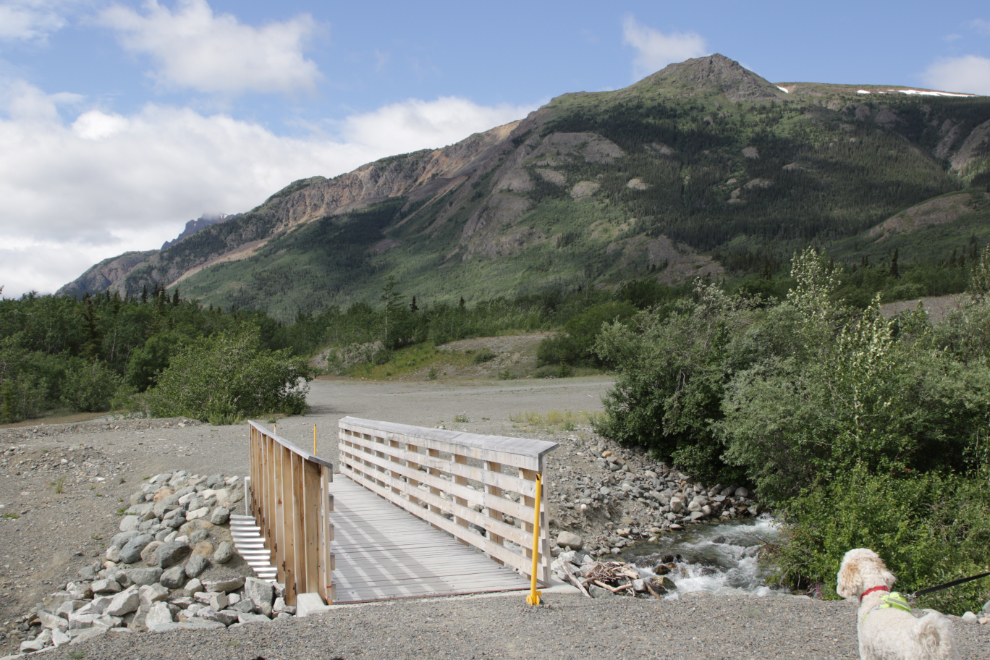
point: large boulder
(131, 552)
(172, 553)
(569, 540)
(173, 578)
(196, 565)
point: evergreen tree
(413, 307)
(893, 265)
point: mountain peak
(714, 74)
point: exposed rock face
(105, 274)
(715, 74)
(194, 226)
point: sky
(120, 121)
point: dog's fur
(890, 634)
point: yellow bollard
(314, 439)
(534, 596)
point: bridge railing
(290, 500)
(480, 488)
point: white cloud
(980, 25)
(195, 48)
(969, 73)
(29, 20)
(73, 192)
(655, 50)
(415, 124)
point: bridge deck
(382, 552)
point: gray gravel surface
(698, 626)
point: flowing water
(717, 558)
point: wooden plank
(279, 530)
(326, 559)
(298, 529)
(312, 491)
(440, 505)
(437, 484)
(290, 446)
(439, 521)
(518, 452)
(456, 468)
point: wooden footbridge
(413, 512)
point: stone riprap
(148, 580)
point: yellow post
(534, 596)
(314, 439)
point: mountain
(704, 158)
(194, 226)
(108, 273)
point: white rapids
(720, 559)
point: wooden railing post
(291, 502)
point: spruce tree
(893, 265)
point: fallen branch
(614, 590)
(650, 589)
(575, 580)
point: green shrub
(576, 344)
(91, 386)
(484, 355)
(929, 530)
(229, 376)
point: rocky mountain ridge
(591, 188)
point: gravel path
(56, 533)
(698, 626)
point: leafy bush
(929, 530)
(576, 344)
(230, 376)
(91, 386)
(484, 355)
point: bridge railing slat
(405, 465)
(291, 503)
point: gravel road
(47, 533)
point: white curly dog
(887, 628)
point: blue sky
(121, 120)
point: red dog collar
(870, 591)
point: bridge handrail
(291, 502)
(403, 464)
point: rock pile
(607, 579)
(595, 485)
(150, 578)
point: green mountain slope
(701, 157)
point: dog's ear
(849, 578)
(885, 575)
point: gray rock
(59, 638)
(157, 615)
(226, 586)
(142, 576)
(220, 516)
(152, 593)
(52, 621)
(226, 617)
(163, 534)
(172, 553)
(173, 578)
(224, 553)
(247, 617)
(198, 536)
(113, 554)
(88, 573)
(598, 592)
(106, 587)
(120, 540)
(969, 617)
(148, 555)
(218, 601)
(196, 565)
(131, 552)
(569, 540)
(192, 587)
(741, 492)
(260, 592)
(986, 607)
(125, 602)
(129, 523)
(309, 603)
(245, 605)
(80, 636)
(39, 642)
